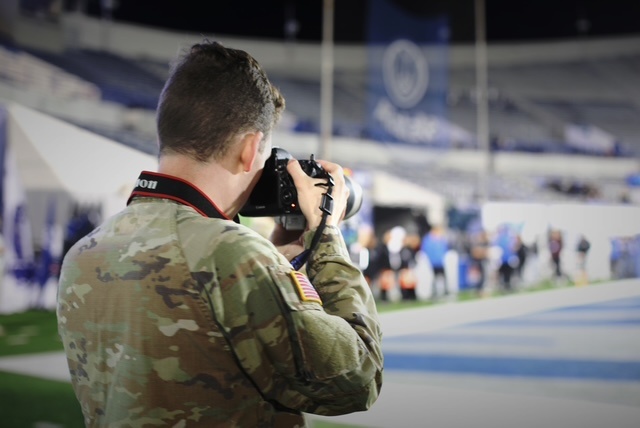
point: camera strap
(326, 207)
(157, 185)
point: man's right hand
(310, 192)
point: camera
(275, 194)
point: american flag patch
(306, 291)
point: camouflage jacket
(170, 318)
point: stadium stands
(531, 104)
(120, 80)
(25, 70)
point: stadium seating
(119, 79)
(528, 105)
(573, 92)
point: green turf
(27, 401)
(29, 332)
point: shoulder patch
(305, 289)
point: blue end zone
(624, 312)
(516, 367)
(621, 319)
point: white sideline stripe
(411, 406)
(421, 320)
(49, 365)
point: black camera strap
(158, 185)
(327, 208)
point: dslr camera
(275, 194)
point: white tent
(57, 158)
(56, 161)
(389, 190)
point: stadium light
(482, 115)
(326, 82)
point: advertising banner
(408, 78)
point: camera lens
(354, 203)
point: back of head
(214, 93)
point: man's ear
(250, 149)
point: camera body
(275, 194)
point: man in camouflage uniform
(173, 314)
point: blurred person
(623, 257)
(478, 254)
(506, 242)
(368, 256)
(615, 257)
(391, 262)
(172, 313)
(386, 278)
(407, 274)
(521, 251)
(435, 246)
(83, 220)
(395, 245)
(556, 245)
(582, 249)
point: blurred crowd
(401, 265)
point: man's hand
(288, 242)
(311, 190)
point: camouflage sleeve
(347, 298)
(336, 342)
(315, 352)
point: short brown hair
(212, 94)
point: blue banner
(408, 78)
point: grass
(29, 332)
(27, 401)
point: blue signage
(408, 77)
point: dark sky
(507, 20)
